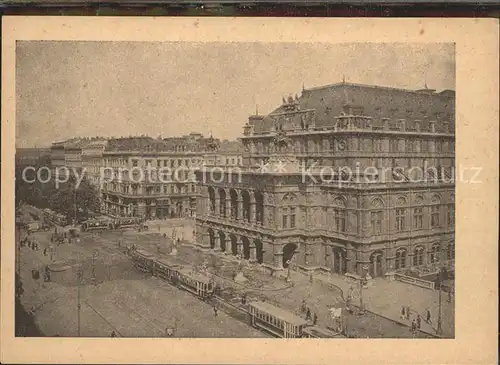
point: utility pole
(74, 206)
(361, 283)
(79, 306)
(439, 330)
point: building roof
(279, 313)
(230, 147)
(377, 102)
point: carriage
(276, 321)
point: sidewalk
(387, 298)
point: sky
(113, 89)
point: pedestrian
(215, 311)
(303, 306)
(408, 311)
(113, 334)
(429, 316)
(403, 314)
(419, 321)
(315, 319)
(45, 251)
(308, 314)
(413, 326)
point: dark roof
(230, 147)
(377, 102)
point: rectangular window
(376, 220)
(409, 145)
(423, 146)
(439, 146)
(435, 216)
(418, 218)
(339, 220)
(400, 219)
(292, 218)
(285, 219)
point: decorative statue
(281, 140)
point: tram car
(128, 222)
(276, 321)
(195, 283)
(95, 225)
(166, 271)
(54, 218)
(143, 260)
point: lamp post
(439, 329)
(78, 305)
(362, 310)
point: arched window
(400, 259)
(418, 256)
(435, 253)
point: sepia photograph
(328, 213)
(180, 189)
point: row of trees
(65, 198)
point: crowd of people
(416, 322)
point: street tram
(130, 222)
(166, 271)
(143, 260)
(276, 321)
(95, 225)
(54, 218)
(195, 283)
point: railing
(415, 281)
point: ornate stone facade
(368, 188)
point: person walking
(419, 321)
(303, 306)
(408, 311)
(215, 311)
(315, 319)
(403, 314)
(308, 314)
(413, 326)
(429, 317)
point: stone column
(328, 257)
(228, 249)
(278, 256)
(253, 212)
(308, 253)
(228, 205)
(217, 243)
(253, 252)
(240, 208)
(239, 246)
(351, 259)
(253, 206)
(217, 204)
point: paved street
(132, 303)
(123, 300)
